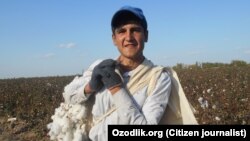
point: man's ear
(114, 40)
(146, 35)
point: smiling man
(129, 89)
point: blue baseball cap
(128, 13)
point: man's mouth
(130, 45)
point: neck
(128, 64)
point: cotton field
(220, 95)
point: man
(129, 89)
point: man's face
(130, 39)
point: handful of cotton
(69, 120)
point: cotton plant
(203, 102)
(69, 120)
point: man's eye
(121, 31)
(137, 30)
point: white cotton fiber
(68, 120)
(72, 87)
(78, 134)
(66, 126)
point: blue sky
(63, 37)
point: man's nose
(129, 36)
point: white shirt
(140, 108)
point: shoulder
(163, 74)
(161, 80)
(96, 62)
(89, 70)
(167, 71)
(162, 70)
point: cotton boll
(68, 106)
(78, 112)
(69, 127)
(76, 108)
(73, 112)
(82, 112)
(71, 87)
(53, 117)
(68, 120)
(51, 132)
(60, 111)
(55, 129)
(80, 115)
(60, 121)
(49, 125)
(66, 125)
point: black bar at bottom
(173, 132)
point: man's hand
(110, 78)
(96, 79)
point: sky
(63, 37)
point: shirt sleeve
(74, 91)
(153, 108)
